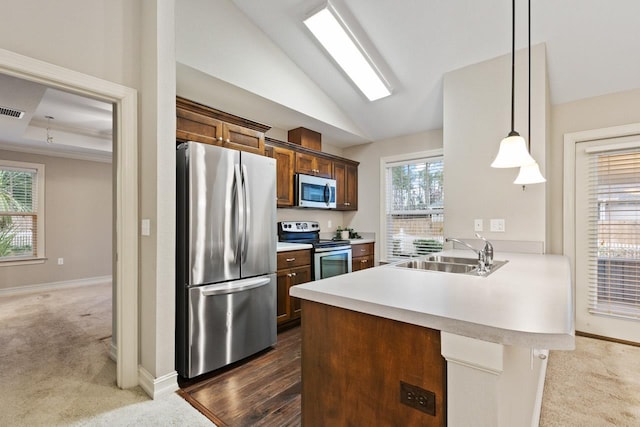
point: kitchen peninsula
(479, 341)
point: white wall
(476, 118)
(78, 224)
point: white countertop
(363, 240)
(528, 302)
(286, 246)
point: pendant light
(513, 149)
(530, 172)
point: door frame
(569, 184)
(126, 191)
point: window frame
(386, 161)
(39, 256)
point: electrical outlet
(497, 225)
(60, 261)
(418, 398)
(329, 224)
(478, 225)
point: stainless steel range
(330, 257)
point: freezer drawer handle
(237, 287)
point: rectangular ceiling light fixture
(336, 37)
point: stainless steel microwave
(315, 192)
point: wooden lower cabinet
(362, 256)
(294, 268)
(356, 369)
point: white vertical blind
(414, 207)
(614, 233)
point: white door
(607, 237)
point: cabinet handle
(290, 259)
(363, 250)
(364, 261)
(288, 274)
(227, 140)
(347, 204)
(220, 138)
(293, 274)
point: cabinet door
(192, 126)
(299, 275)
(351, 187)
(243, 139)
(305, 164)
(361, 263)
(346, 177)
(324, 167)
(285, 160)
(283, 313)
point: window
(614, 247)
(21, 211)
(414, 207)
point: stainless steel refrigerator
(225, 256)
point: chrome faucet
(485, 255)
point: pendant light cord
(529, 50)
(513, 62)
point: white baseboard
(46, 287)
(157, 387)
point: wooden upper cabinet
(285, 160)
(346, 176)
(313, 165)
(197, 122)
(192, 126)
(243, 139)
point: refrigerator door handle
(240, 235)
(238, 286)
(246, 199)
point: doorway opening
(125, 195)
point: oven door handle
(332, 249)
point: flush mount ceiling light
(530, 172)
(339, 41)
(513, 149)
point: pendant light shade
(529, 174)
(513, 152)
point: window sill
(22, 261)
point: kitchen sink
(448, 264)
(447, 267)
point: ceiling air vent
(4, 111)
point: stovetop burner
(306, 232)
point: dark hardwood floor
(261, 391)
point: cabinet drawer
(362, 249)
(294, 258)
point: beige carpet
(55, 369)
(597, 385)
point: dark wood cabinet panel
(285, 160)
(362, 256)
(353, 365)
(197, 122)
(294, 268)
(313, 165)
(346, 176)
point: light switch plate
(497, 225)
(145, 227)
(478, 225)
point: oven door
(331, 262)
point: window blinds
(18, 212)
(614, 233)
(414, 208)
